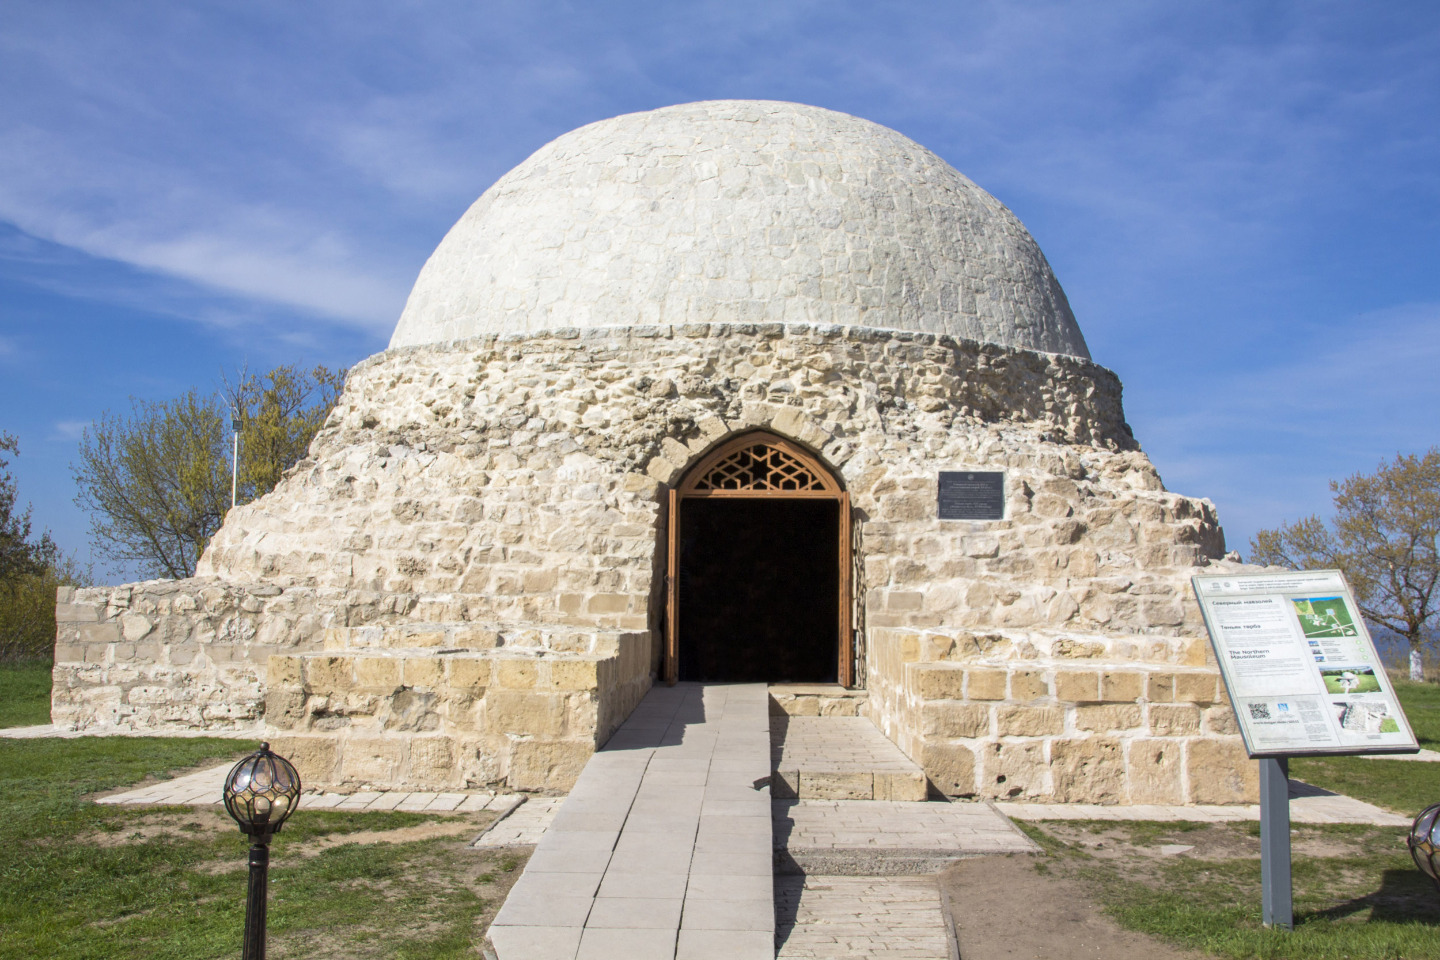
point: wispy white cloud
(69, 430)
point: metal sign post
(1276, 892)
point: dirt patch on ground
(425, 831)
(1146, 841)
(1004, 909)
(201, 823)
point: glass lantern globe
(261, 791)
(1424, 842)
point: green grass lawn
(1357, 893)
(82, 881)
(24, 693)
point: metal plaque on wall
(977, 495)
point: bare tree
(157, 483)
(1384, 536)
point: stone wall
(513, 485)
(173, 655)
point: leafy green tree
(157, 482)
(1385, 536)
(31, 568)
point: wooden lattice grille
(760, 467)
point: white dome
(739, 211)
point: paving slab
(866, 918)
(524, 825)
(886, 837)
(663, 848)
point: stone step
(816, 700)
(887, 838)
(839, 758)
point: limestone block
(570, 675)
(1201, 688)
(1072, 649)
(851, 785)
(525, 713)
(473, 638)
(377, 673)
(313, 756)
(1028, 685)
(1174, 720)
(1196, 652)
(1110, 716)
(1220, 720)
(134, 626)
(908, 787)
(1077, 686)
(547, 764)
(77, 612)
(985, 684)
(515, 674)
(1012, 769)
(1153, 772)
(840, 706)
(97, 633)
(938, 681)
(798, 706)
(1088, 771)
(432, 761)
(954, 719)
(329, 674)
(950, 767)
(1220, 772)
(468, 674)
(1121, 686)
(608, 603)
(1016, 721)
(1160, 687)
(284, 707)
(424, 672)
(785, 784)
(372, 760)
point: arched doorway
(758, 577)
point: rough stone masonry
(463, 582)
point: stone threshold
(839, 758)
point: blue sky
(1242, 199)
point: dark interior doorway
(759, 586)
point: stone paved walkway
(662, 849)
(204, 788)
(866, 918)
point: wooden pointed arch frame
(760, 464)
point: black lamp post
(261, 791)
(1424, 842)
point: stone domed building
(722, 391)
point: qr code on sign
(1260, 711)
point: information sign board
(1300, 666)
(972, 495)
